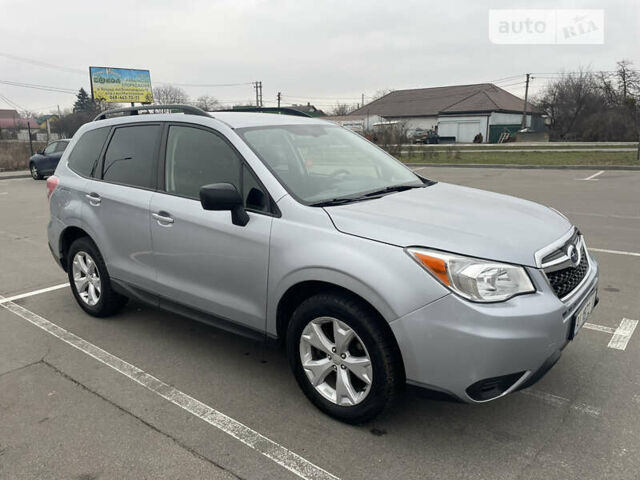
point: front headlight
(472, 278)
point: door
(117, 209)
(202, 259)
(51, 157)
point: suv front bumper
(459, 347)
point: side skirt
(153, 300)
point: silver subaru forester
(299, 231)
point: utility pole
(258, 86)
(526, 98)
(30, 143)
(279, 97)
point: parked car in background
(46, 160)
(297, 230)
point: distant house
(42, 120)
(309, 109)
(459, 112)
(11, 119)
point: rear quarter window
(84, 155)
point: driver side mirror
(40, 152)
(224, 196)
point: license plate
(583, 313)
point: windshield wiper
(390, 189)
(338, 201)
(365, 196)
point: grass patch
(455, 156)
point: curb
(526, 167)
(15, 175)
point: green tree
(84, 103)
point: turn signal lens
(473, 278)
(435, 265)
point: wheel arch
(299, 292)
(67, 237)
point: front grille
(564, 281)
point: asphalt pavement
(148, 394)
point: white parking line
(620, 336)
(592, 177)
(623, 333)
(30, 294)
(599, 328)
(615, 252)
(559, 401)
(258, 442)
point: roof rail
(186, 109)
(277, 110)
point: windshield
(317, 163)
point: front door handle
(163, 218)
(94, 198)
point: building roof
(44, 118)
(423, 102)
(309, 109)
(12, 119)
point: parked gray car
(299, 231)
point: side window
(85, 153)
(50, 148)
(255, 198)
(196, 157)
(129, 158)
(61, 146)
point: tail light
(52, 183)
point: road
(70, 407)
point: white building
(458, 112)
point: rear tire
(348, 334)
(35, 173)
(90, 281)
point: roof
(12, 119)
(44, 118)
(480, 97)
(309, 109)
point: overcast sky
(321, 51)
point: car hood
(455, 219)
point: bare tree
(168, 94)
(628, 79)
(381, 93)
(342, 109)
(207, 103)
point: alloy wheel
(86, 278)
(336, 361)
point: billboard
(120, 85)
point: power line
(11, 103)
(42, 64)
(48, 88)
(207, 85)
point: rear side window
(130, 156)
(87, 150)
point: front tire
(35, 173)
(342, 358)
(90, 281)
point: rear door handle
(94, 199)
(163, 218)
